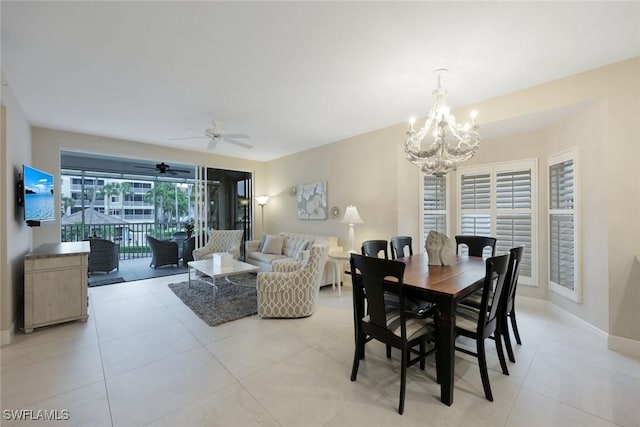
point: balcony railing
(131, 237)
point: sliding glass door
(223, 202)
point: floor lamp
(262, 200)
(351, 217)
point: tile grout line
(104, 375)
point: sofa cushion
(273, 245)
(266, 258)
(315, 239)
(292, 246)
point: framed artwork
(312, 200)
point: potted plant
(188, 227)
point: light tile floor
(144, 358)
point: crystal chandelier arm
(452, 143)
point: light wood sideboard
(55, 284)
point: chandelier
(452, 142)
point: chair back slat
(476, 244)
(401, 246)
(496, 271)
(369, 274)
(513, 273)
(372, 248)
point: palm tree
(66, 202)
(125, 190)
(106, 192)
(165, 197)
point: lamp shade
(262, 200)
(351, 216)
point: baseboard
(614, 343)
(624, 345)
(551, 307)
(6, 336)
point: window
(475, 204)
(563, 225)
(513, 214)
(434, 205)
(499, 200)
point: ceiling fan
(163, 169)
(216, 135)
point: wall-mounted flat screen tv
(39, 203)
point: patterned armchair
(292, 288)
(220, 241)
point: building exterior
(121, 198)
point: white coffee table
(207, 268)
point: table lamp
(351, 217)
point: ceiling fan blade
(188, 137)
(239, 143)
(212, 144)
(180, 170)
(235, 135)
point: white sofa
(291, 247)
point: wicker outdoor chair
(163, 252)
(104, 255)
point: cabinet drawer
(55, 262)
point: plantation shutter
(562, 236)
(513, 217)
(475, 203)
(499, 200)
(434, 204)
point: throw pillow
(264, 236)
(304, 258)
(273, 245)
(303, 247)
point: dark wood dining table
(444, 285)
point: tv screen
(39, 203)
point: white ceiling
(292, 75)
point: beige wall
(16, 151)
(360, 171)
(370, 171)
(48, 143)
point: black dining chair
(507, 309)
(395, 326)
(401, 247)
(372, 248)
(476, 244)
(484, 322)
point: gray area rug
(229, 302)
